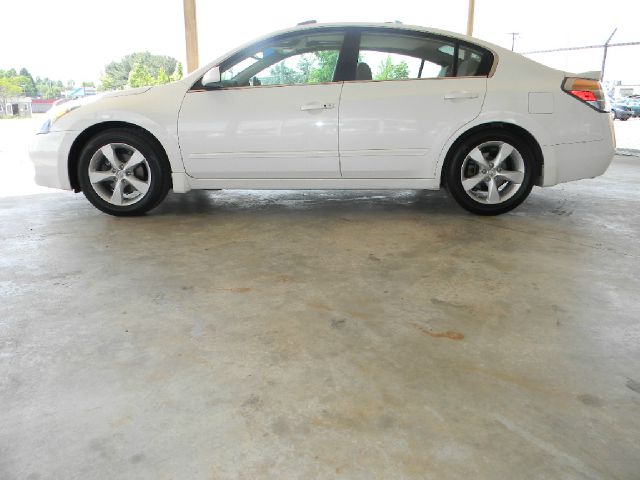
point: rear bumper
(564, 162)
(49, 153)
(575, 161)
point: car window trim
(352, 35)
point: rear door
(410, 93)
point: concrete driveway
(359, 335)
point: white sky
(75, 39)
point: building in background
(41, 105)
(80, 92)
(15, 107)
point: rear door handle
(460, 95)
(316, 106)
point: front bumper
(49, 153)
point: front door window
(291, 60)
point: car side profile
(336, 106)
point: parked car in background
(337, 106)
(620, 110)
(633, 102)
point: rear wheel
(491, 172)
(122, 172)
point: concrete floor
(355, 335)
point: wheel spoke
(116, 197)
(503, 153)
(476, 156)
(493, 195)
(98, 176)
(140, 185)
(471, 182)
(135, 160)
(110, 154)
(512, 176)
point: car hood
(125, 93)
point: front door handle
(460, 95)
(316, 106)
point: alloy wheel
(492, 172)
(119, 174)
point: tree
(327, 60)
(306, 65)
(177, 72)
(9, 87)
(280, 74)
(387, 70)
(162, 77)
(47, 88)
(116, 74)
(140, 76)
(28, 85)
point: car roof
(391, 25)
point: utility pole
(472, 4)
(513, 39)
(191, 34)
(604, 54)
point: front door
(274, 115)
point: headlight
(56, 113)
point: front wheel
(122, 172)
(491, 172)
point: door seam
(339, 129)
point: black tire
(624, 119)
(159, 171)
(453, 172)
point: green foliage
(177, 72)
(28, 85)
(9, 87)
(48, 88)
(117, 74)
(280, 74)
(139, 76)
(40, 87)
(387, 70)
(327, 61)
(162, 77)
(310, 68)
(23, 80)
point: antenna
(513, 38)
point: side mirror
(212, 77)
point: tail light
(587, 91)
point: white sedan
(336, 106)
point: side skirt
(307, 183)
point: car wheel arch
(86, 135)
(508, 127)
